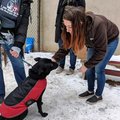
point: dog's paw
(44, 114)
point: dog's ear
(37, 68)
(37, 59)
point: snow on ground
(115, 58)
(61, 99)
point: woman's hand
(83, 69)
(14, 53)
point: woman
(58, 25)
(14, 20)
(100, 36)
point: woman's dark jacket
(21, 24)
(99, 33)
(60, 10)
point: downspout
(38, 21)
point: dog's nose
(55, 65)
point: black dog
(15, 106)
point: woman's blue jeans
(18, 68)
(99, 70)
(72, 58)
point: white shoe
(59, 70)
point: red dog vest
(13, 111)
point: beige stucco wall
(48, 13)
(109, 8)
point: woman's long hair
(76, 40)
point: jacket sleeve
(21, 30)
(81, 3)
(77, 3)
(60, 54)
(58, 23)
(100, 46)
